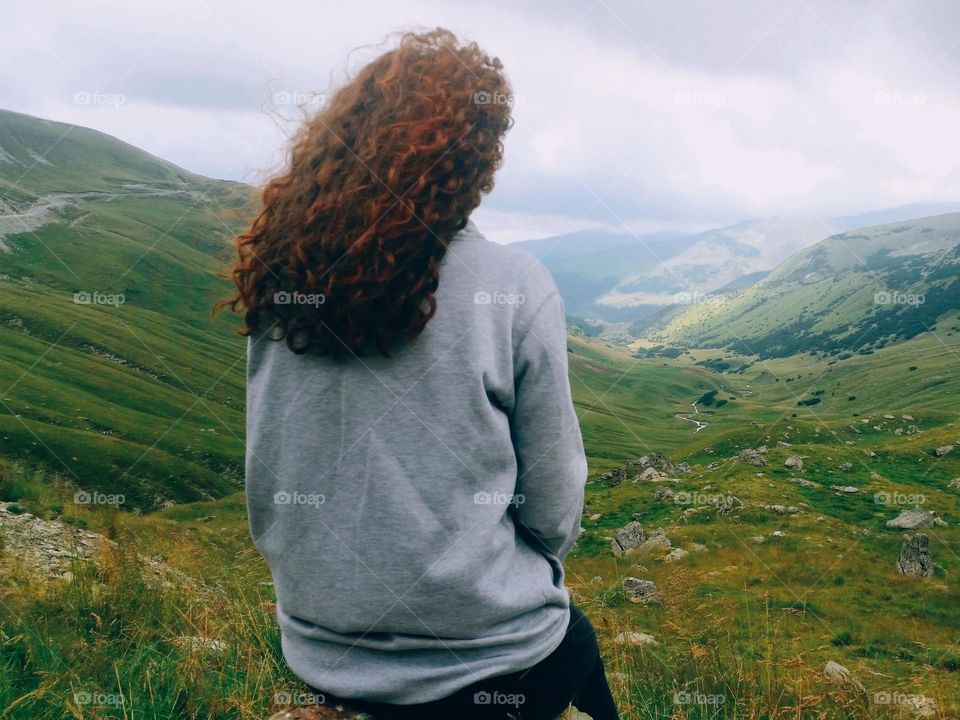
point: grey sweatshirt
(415, 510)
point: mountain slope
(113, 372)
(623, 277)
(855, 291)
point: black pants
(571, 673)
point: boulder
(728, 504)
(845, 489)
(954, 484)
(641, 592)
(674, 555)
(805, 483)
(913, 519)
(840, 676)
(627, 538)
(658, 540)
(794, 462)
(915, 557)
(942, 450)
(663, 493)
(635, 638)
(921, 707)
(782, 509)
(752, 457)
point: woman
(415, 468)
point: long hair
(345, 252)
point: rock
(875, 477)
(908, 418)
(193, 643)
(839, 675)
(635, 638)
(729, 504)
(889, 417)
(778, 533)
(781, 443)
(794, 462)
(753, 457)
(674, 555)
(942, 450)
(782, 509)
(595, 517)
(915, 557)
(658, 540)
(641, 592)
(663, 493)
(913, 518)
(954, 484)
(759, 539)
(627, 538)
(921, 707)
(845, 489)
(650, 474)
(697, 547)
(846, 467)
(805, 483)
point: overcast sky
(630, 114)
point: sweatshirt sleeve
(551, 467)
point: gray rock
(954, 484)
(641, 592)
(729, 504)
(915, 557)
(845, 489)
(805, 483)
(658, 540)
(629, 537)
(839, 675)
(752, 457)
(913, 518)
(942, 450)
(794, 462)
(663, 493)
(635, 638)
(921, 707)
(674, 555)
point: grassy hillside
(854, 292)
(136, 391)
(746, 623)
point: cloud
(630, 114)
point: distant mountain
(622, 277)
(853, 292)
(114, 373)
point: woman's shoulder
(498, 268)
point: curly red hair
(344, 254)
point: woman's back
(414, 509)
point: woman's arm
(551, 467)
